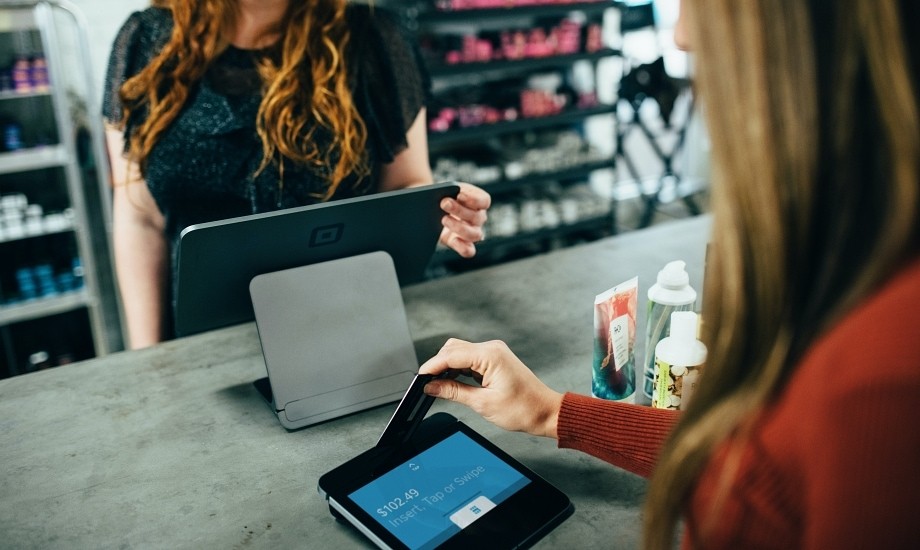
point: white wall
(104, 18)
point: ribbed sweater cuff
(625, 435)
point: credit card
(409, 413)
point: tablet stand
(334, 337)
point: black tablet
(217, 260)
(447, 486)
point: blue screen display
(428, 499)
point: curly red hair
(305, 92)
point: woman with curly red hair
(222, 108)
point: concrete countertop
(172, 447)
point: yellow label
(662, 377)
(673, 385)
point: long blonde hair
(308, 91)
(812, 108)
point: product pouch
(614, 342)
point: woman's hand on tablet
(510, 395)
(464, 219)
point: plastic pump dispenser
(679, 360)
(683, 331)
(672, 287)
(671, 292)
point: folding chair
(651, 82)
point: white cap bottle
(671, 292)
(679, 361)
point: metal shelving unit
(61, 174)
(597, 225)
(532, 10)
(442, 27)
(533, 64)
(535, 179)
(25, 160)
(438, 140)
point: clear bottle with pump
(671, 292)
(679, 360)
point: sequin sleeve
(138, 40)
(392, 81)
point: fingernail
(432, 389)
(447, 205)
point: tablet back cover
(217, 260)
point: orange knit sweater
(834, 462)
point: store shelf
(42, 307)
(44, 233)
(466, 15)
(529, 64)
(476, 133)
(602, 223)
(16, 20)
(58, 216)
(13, 94)
(469, 149)
(531, 180)
(50, 156)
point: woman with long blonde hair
(800, 431)
(222, 108)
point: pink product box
(540, 103)
(21, 75)
(594, 38)
(562, 39)
(474, 50)
(468, 116)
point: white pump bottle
(679, 361)
(671, 292)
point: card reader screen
(426, 500)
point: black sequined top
(204, 166)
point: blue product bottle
(26, 281)
(77, 267)
(672, 292)
(65, 282)
(44, 275)
(12, 136)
